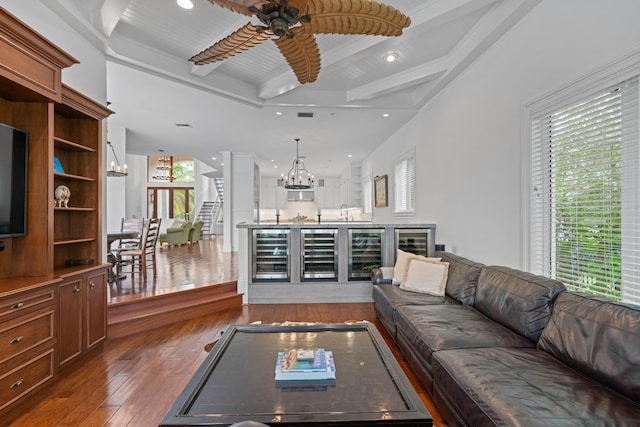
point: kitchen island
(304, 262)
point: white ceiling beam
(110, 14)
(490, 28)
(402, 80)
(69, 13)
(429, 13)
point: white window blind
(584, 204)
(404, 174)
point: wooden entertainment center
(53, 284)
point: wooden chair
(135, 225)
(139, 259)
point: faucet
(346, 211)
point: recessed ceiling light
(214, 158)
(185, 4)
(385, 115)
(221, 164)
(390, 57)
(278, 113)
(349, 156)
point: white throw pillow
(402, 262)
(425, 276)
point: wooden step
(133, 316)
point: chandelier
(116, 169)
(298, 178)
(164, 169)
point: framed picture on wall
(380, 191)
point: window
(170, 169)
(404, 173)
(584, 185)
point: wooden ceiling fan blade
(302, 54)
(240, 6)
(355, 17)
(243, 39)
(301, 5)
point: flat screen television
(14, 146)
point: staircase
(210, 211)
(208, 214)
(219, 182)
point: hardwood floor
(134, 381)
(179, 268)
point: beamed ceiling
(253, 102)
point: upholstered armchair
(196, 231)
(178, 235)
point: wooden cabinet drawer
(26, 378)
(26, 332)
(13, 305)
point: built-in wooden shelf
(76, 209)
(73, 241)
(70, 176)
(71, 146)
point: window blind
(404, 184)
(584, 198)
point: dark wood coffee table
(237, 381)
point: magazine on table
(305, 364)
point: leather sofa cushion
(388, 297)
(524, 387)
(392, 296)
(597, 337)
(521, 301)
(462, 277)
(440, 327)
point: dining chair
(139, 259)
(134, 225)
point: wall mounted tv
(13, 181)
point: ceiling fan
(294, 23)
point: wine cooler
(365, 252)
(319, 254)
(271, 255)
(417, 241)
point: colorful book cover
(57, 165)
(304, 360)
(328, 373)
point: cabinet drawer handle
(16, 384)
(76, 290)
(17, 305)
(91, 284)
(16, 340)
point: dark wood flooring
(134, 381)
(179, 268)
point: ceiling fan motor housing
(279, 18)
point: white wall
(90, 75)
(238, 183)
(468, 139)
(116, 186)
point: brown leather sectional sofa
(508, 348)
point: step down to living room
(132, 316)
